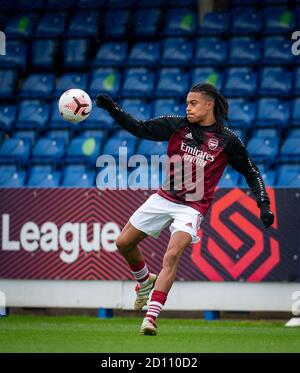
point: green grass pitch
(90, 334)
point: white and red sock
(140, 272)
(158, 299)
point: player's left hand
(266, 215)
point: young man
(200, 139)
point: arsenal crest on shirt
(213, 143)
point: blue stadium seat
(56, 120)
(111, 54)
(144, 54)
(59, 5)
(229, 179)
(168, 107)
(16, 53)
(20, 26)
(9, 179)
(244, 51)
(241, 81)
(95, 133)
(38, 86)
(241, 112)
(122, 134)
(277, 50)
(272, 111)
(7, 116)
(77, 176)
(176, 52)
(295, 117)
(7, 83)
(214, 23)
(112, 146)
(84, 24)
(210, 51)
(296, 79)
(43, 179)
(267, 132)
(71, 80)
(84, 150)
(31, 5)
(288, 175)
(180, 22)
(48, 150)
(263, 149)
(149, 148)
(32, 114)
(15, 151)
(172, 83)
(91, 4)
(246, 21)
(146, 22)
(137, 108)
(98, 119)
(30, 135)
(279, 20)
(275, 81)
(51, 25)
(105, 80)
(290, 149)
(207, 75)
(138, 82)
(120, 28)
(75, 53)
(56, 134)
(43, 53)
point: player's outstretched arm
(158, 129)
(239, 159)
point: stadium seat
(7, 116)
(31, 5)
(71, 80)
(210, 51)
(84, 150)
(59, 5)
(15, 57)
(295, 116)
(172, 83)
(56, 134)
(7, 83)
(138, 82)
(120, 28)
(275, 81)
(32, 114)
(207, 75)
(176, 52)
(30, 135)
(214, 23)
(48, 150)
(229, 179)
(146, 22)
(137, 108)
(75, 53)
(9, 179)
(296, 79)
(84, 24)
(38, 86)
(105, 80)
(144, 54)
(43, 54)
(244, 51)
(279, 20)
(290, 149)
(277, 51)
(240, 81)
(288, 175)
(149, 148)
(112, 146)
(43, 179)
(91, 4)
(241, 112)
(246, 21)
(180, 22)
(263, 149)
(98, 119)
(94, 133)
(122, 134)
(15, 151)
(111, 54)
(51, 25)
(21, 26)
(77, 176)
(168, 107)
(272, 111)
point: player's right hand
(105, 102)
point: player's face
(198, 107)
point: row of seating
(77, 54)
(264, 112)
(78, 176)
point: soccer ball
(75, 105)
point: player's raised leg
(178, 243)
(127, 245)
